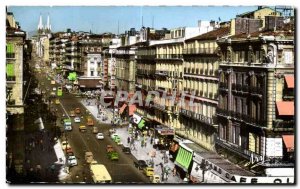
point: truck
(99, 173)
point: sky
(102, 19)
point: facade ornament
(250, 54)
(229, 53)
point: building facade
(201, 85)
(256, 108)
(15, 40)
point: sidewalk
(140, 153)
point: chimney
(212, 23)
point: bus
(100, 173)
(59, 91)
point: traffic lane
(118, 169)
(98, 148)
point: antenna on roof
(118, 27)
(142, 21)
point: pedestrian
(174, 171)
(151, 140)
(128, 140)
(145, 145)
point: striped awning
(141, 124)
(122, 108)
(184, 158)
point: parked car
(100, 136)
(126, 150)
(95, 130)
(72, 161)
(54, 89)
(140, 164)
(155, 179)
(149, 171)
(77, 119)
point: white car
(54, 89)
(77, 119)
(113, 135)
(100, 136)
(72, 161)
(68, 127)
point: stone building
(256, 89)
(201, 85)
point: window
(288, 57)
(92, 73)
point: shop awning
(141, 124)
(289, 142)
(122, 108)
(285, 108)
(136, 118)
(290, 81)
(132, 109)
(165, 130)
(184, 158)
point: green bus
(59, 91)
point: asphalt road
(121, 171)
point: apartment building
(15, 40)
(256, 89)
(200, 84)
(125, 68)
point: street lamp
(205, 167)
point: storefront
(163, 137)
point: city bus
(59, 91)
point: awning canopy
(132, 109)
(285, 108)
(88, 83)
(141, 124)
(122, 108)
(136, 118)
(289, 142)
(184, 158)
(290, 81)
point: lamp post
(204, 168)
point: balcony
(10, 55)
(198, 51)
(253, 121)
(159, 106)
(223, 86)
(196, 116)
(236, 149)
(222, 112)
(10, 78)
(283, 124)
(11, 102)
(161, 73)
(146, 57)
(255, 90)
(169, 56)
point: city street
(82, 142)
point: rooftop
(220, 32)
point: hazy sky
(105, 18)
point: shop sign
(166, 132)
